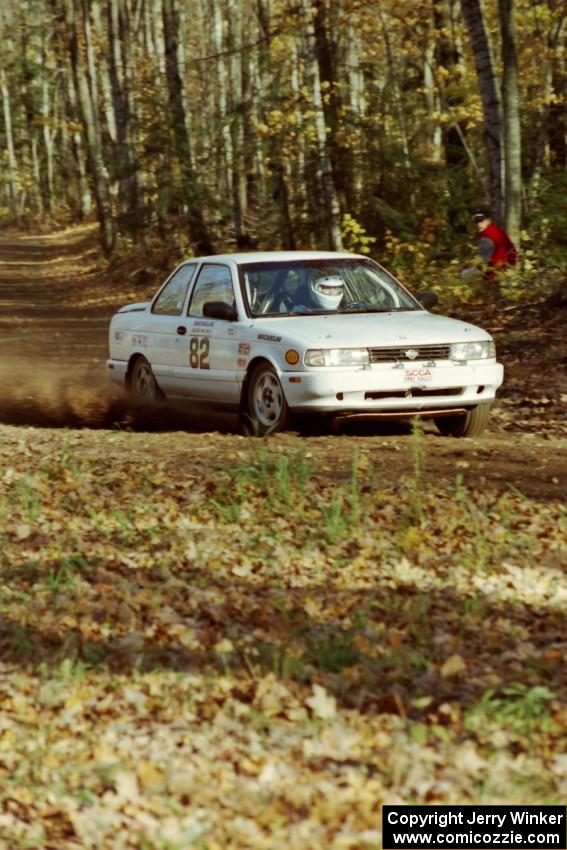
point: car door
(165, 340)
(211, 346)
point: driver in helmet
(320, 293)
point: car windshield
(308, 287)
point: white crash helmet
(327, 291)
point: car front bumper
(387, 387)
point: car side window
(213, 284)
(171, 299)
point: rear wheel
(469, 424)
(265, 404)
(142, 386)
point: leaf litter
(258, 646)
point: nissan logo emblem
(411, 354)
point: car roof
(278, 256)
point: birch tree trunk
(357, 104)
(237, 110)
(84, 87)
(301, 152)
(29, 109)
(492, 107)
(512, 129)
(434, 135)
(223, 129)
(13, 189)
(108, 105)
(48, 131)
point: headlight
(473, 350)
(337, 357)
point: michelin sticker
(202, 327)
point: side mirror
(220, 310)
(427, 299)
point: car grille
(424, 352)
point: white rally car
(302, 331)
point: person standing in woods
(495, 249)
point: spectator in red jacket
(495, 246)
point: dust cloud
(49, 395)
(44, 394)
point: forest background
(212, 125)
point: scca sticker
(420, 374)
(269, 338)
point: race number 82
(199, 348)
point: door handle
(181, 330)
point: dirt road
(55, 304)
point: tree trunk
(447, 56)
(237, 109)
(512, 129)
(277, 184)
(330, 198)
(13, 189)
(223, 129)
(357, 103)
(432, 128)
(121, 86)
(48, 132)
(107, 100)
(492, 108)
(192, 193)
(85, 194)
(89, 115)
(325, 50)
(28, 79)
(557, 110)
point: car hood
(371, 330)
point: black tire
(469, 424)
(264, 408)
(142, 386)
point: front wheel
(469, 424)
(142, 386)
(265, 405)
